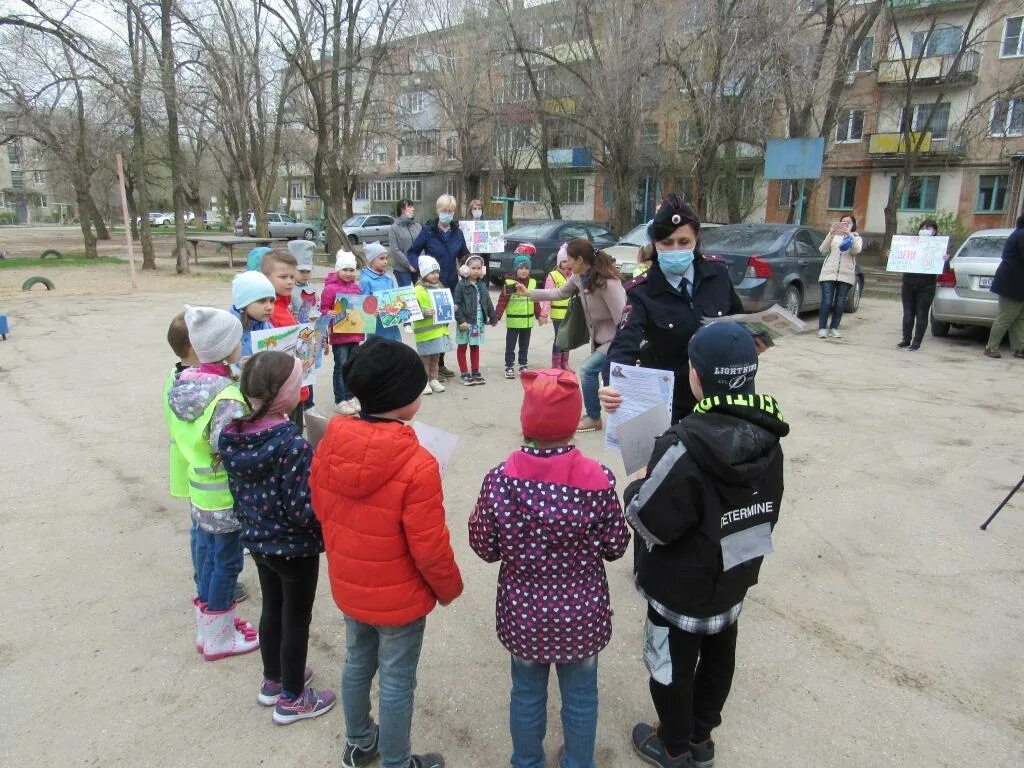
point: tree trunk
(84, 214)
(133, 210)
(102, 233)
(170, 91)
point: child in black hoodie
(268, 460)
(704, 517)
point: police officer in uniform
(665, 304)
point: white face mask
(925, 233)
(477, 213)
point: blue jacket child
(371, 281)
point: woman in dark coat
(1009, 285)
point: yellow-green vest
(560, 307)
(426, 329)
(178, 472)
(207, 484)
(519, 312)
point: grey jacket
(400, 238)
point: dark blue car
(546, 236)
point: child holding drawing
(432, 339)
(339, 283)
(374, 278)
(473, 310)
(252, 302)
(552, 517)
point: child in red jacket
(377, 494)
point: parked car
(962, 295)
(159, 219)
(774, 264)
(546, 236)
(625, 250)
(211, 219)
(281, 226)
(365, 228)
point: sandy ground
(887, 629)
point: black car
(547, 237)
(774, 264)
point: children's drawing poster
(444, 305)
(398, 306)
(354, 313)
(306, 307)
(303, 342)
(487, 236)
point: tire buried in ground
(34, 281)
(51, 252)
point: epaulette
(638, 280)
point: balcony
(893, 145)
(920, 7)
(932, 70)
(574, 157)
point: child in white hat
(252, 302)
(432, 336)
(303, 295)
(340, 283)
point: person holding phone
(838, 274)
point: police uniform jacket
(705, 512)
(659, 320)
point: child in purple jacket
(552, 517)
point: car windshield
(983, 248)
(355, 221)
(531, 230)
(741, 240)
(636, 236)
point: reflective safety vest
(426, 329)
(519, 312)
(560, 307)
(207, 485)
(178, 472)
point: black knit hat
(725, 358)
(384, 375)
(673, 213)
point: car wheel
(353, 239)
(793, 300)
(939, 328)
(308, 234)
(853, 297)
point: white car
(159, 219)
(962, 295)
(281, 225)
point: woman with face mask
(665, 304)
(917, 293)
(838, 273)
(401, 236)
(442, 239)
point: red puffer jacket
(377, 494)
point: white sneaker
(435, 385)
(427, 390)
(822, 333)
(345, 408)
(354, 402)
(834, 333)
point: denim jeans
(341, 355)
(514, 336)
(528, 712)
(594, 368)
(221, 566)
(198, 546)
(833, 299)
(403, 279)
(396, 652)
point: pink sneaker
(270, 690)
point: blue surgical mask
(675, 262)
(446, 218)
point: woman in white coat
(838, 274)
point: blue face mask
(675, 262)
(446, 218)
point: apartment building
(25, 184)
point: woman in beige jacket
(838, 274)
(596, 279)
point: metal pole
(1002, 503)
(127, 222)
(800, 204)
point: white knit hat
(248, 287)
(372, 250)
(213, 333)
(428, 264)
(345, 260)
(302, 250)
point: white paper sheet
(636, 437)
(441, 444)
(642, 389)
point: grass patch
(70, 260)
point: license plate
(984, 282)
(496, 264)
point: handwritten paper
(924, 255)
(642, 389)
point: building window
(565, 135)
(511, 138)
(417, 143)
(938, 126)
(43, 202)
(362, 191)
(450, 147)
(921, 193)
(296, 190)
(992, 194)
(529, 191)
(451, 186)
(393, 190)
(14, 153)
(865, 55)
(850, 125)
(381, 151)
(789, 190)
(39, 177)
(842, 190)
(1013, 37)
(17, 180)
(571, 191)
(746, 192)
(411, 103)
(515, 87)
(939, 41)
(685, 134)
(1007, 117)
(650, 134)
(497, 188)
